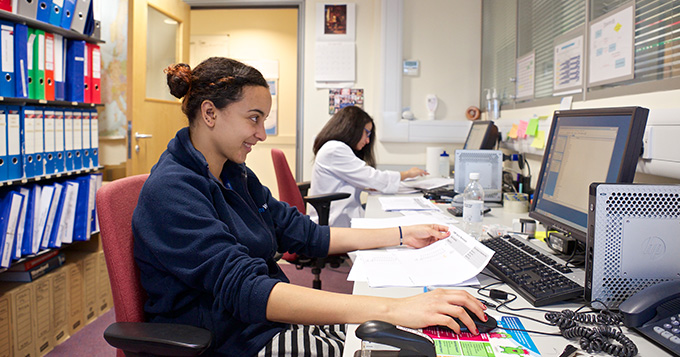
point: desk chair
(130, 334)
(292, 193)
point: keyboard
(535, 276)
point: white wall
(445, 35)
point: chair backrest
(288, 189)
(115, 203)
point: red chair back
(288, 189)
(115, 203)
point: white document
(450, 261)
(417, 217)
(406, 204)
(427, 183)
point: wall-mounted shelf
(33, 23)
(43, 102)
(23, 181)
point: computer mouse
(482, 326)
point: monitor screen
(482, 135)
(585, 146)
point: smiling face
(240, 125)
(365, 136)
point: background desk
(547, 345)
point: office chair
(295, 194)
(130, 333)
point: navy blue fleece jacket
(205, 250)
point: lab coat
(338, 169)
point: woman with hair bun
(206, 232)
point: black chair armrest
(148, 338)
(322, 204)
(304, 187)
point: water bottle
(444, 165)
(473, 206)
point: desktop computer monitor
(482, 135)
(585, 146)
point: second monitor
(483, 135)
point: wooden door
(155, 115)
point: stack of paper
(406, 204)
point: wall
(445, 35)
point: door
(159, 36)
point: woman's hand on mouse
(438, 307)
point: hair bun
(179, 79)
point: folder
(36, 78)
(75, 71)
(91, 202)
(15, 168)
(49, 66)
(95, 66)
(98, 179)
(32, 215)
(67, 14)
(7, 85)
(51, 213)
(6, 5)
(94, 137)
(21, 225)
(54, 240)
(21, 60)
(97, 17)
(69, 152)
(87, 82)
(55, 12)
(39, 141)
(59, 149)
(83, 214)
(69, 212)
(80, 16)
(28, 136)
(4, 158)
(44, 10)
(77, 139)
(59, 67)
(50, 146)
(11, 202)
(86, 152)
(28, 8)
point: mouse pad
(495, 343)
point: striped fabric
(307, 340)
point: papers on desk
(426, 183)
(450, 261)
(409, 218)
(407, 204)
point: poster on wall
(340, 98)
(525, 76)
(335, 22)
(202, 47)
(568, 63)
(112, 116)
(611, 50)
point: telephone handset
(655, 312)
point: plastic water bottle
(444, 165)
(473, 206)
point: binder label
(13, 132)
(7, 38)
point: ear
(208, 113)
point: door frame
(263, 4)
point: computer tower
(489, 164)
(633, 240)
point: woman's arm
(348, 239)
(412, 172)
(295, 304)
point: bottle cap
(474, 175)
(444, 153)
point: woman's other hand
(422, 235)
(413, 172)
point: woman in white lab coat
(345, 162)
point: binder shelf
(34, 23)
(23, 181)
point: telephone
(655, 313)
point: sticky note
(543, 117)
(522, 129)
(539, 140)
(513, 132)
(532, 127)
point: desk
(547, 345)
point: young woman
(206, 232)
(344, 162)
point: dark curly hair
(347, 125)
(217, 79)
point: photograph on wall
(335, 19)
(344, 97)
(336, 22)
